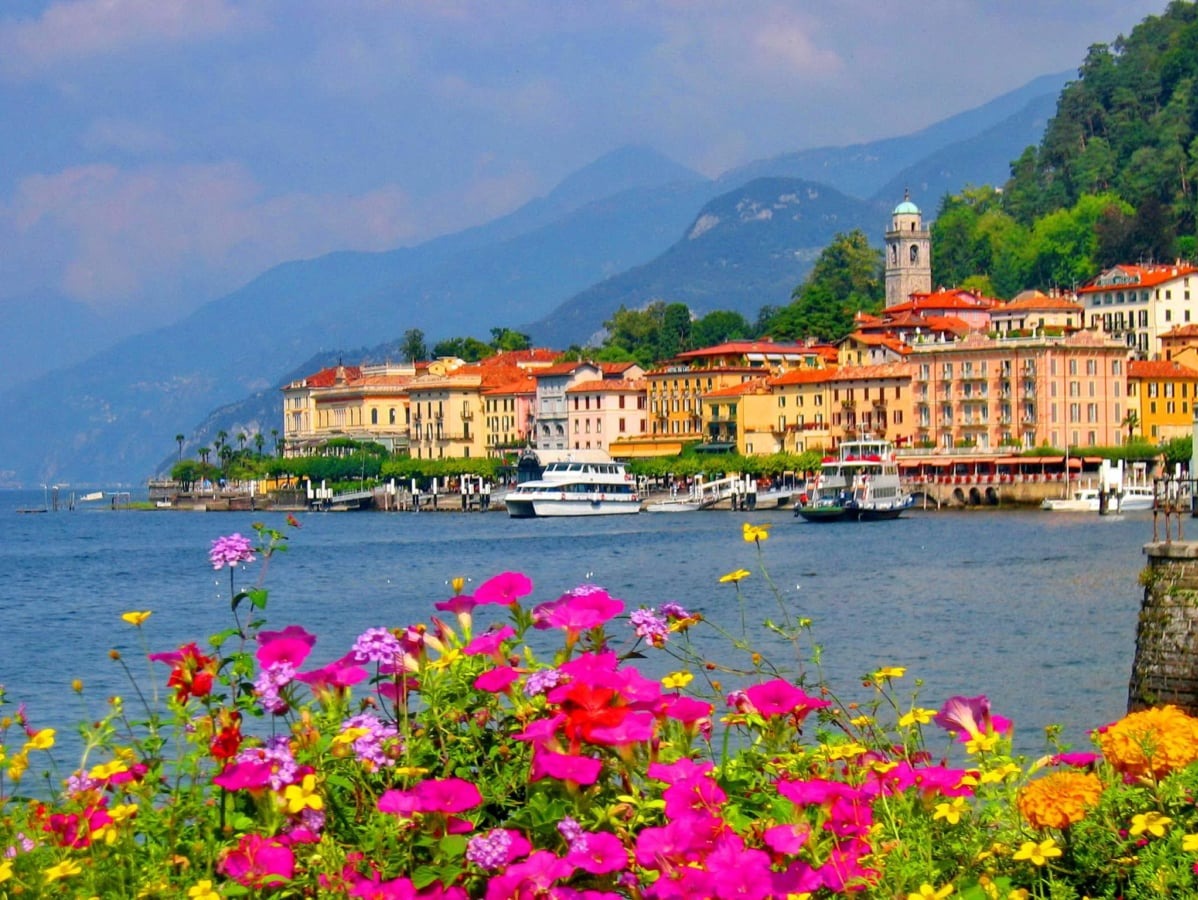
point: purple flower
(542, 680)
(673, 611)
(650, 626)
(270, 682)
(277, 760)
(231, 550)
(377, 645)
(379, 746)
(497, 848)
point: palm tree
(274, 433)
(179, 439)
(1131, 422)
(202, 453)
(259, 440)
(242, 437)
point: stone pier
(1165, 668)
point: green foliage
(465, 348)
(846, 279)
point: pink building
(601, 411)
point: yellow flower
(1038, 854)
(1152, 822)
(104, 771)
(951, 811)
(850, 750)
(927, 892)
(917, 714)
(41, 740)
(303, 795)
(64, 869)
(5, 870)
(677, 680)
(1000, 773)
(860, 721)
(756, 533)
(458, 583)
(203, 890)
(733, 577)
(349, 736)
(17, 766)
(1060, 799)
(136, 617)
(1189, 843)
(888, 672)
(981, 743)
(1150, 742)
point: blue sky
(158, 153)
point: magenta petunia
(400, 803)
(787, 839)
(971, 718)
(339, 674)
(779, 698)
(686, 710)
(598, 852)
(459, 604)
(258, 862)
(504, 589)
(497, 680)
(534, 877)
(489, 644)
(447, 795)
(291, 645)
(580, 610)
(244, 776)
(564, 767)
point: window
(374, 417)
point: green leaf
(257, 597)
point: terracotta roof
(1181, 332)
(951, 299)
(744, 347)
(1038, 300)
(615, 368)
(875, 339)
(525, 384)
(755, 386)
(564, 368)
(328, 377)
(803, 376)
(1139, 276)
(867, 373)
(1158, 369)
(536, 355)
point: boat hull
(551, 507)
(849, 513)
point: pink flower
(244, 776)
(400, 803)
(490, 644)
(505, 589)
(564, 767)
(230, 550)
(598, 852)
(786, 840)
(532, 878)
(580, 610)
(447, 795)
(339, 674)
(292, 645)
(497, 680)
(258, 862)
(970, 717)
(780, 698)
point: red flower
(192, 672)
(227, 740)
(589, 708)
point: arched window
(914, 253)
(374, 417)
(392, 416)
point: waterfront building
(871, 401)
(447, 409)
(1012, 391)
(601, 411)
(510, 417)
(801, 403)
(908, 253)
(1165, 392)
(1136, 304)
(552, 419)
(364, 403)
(1180, 344)
(1035, 312)
(871, 348)
(969, 308)
(738, 418)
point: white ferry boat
(576, 487)
(860, 483)
(1133, 498)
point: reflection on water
(1037, 610)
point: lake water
(1037, 610)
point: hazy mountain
(631, 227)
(43, 331)
(745, 249)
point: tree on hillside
(846, 279)
(179, 439)
(412, 346)
(505, 339)
(718, 327)
(467, 348)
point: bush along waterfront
(508, 748)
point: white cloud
(137, 236)
(80, 29)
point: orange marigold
(1060, 799)
(1150, 742)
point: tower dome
(906, 208)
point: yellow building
(1165, 391)
(364, 403)
(872, 401)
(802, 403)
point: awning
(909, 463)
(1010, 460)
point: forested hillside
(1112, 180)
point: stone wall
(1165, 668)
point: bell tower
(908, 254)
